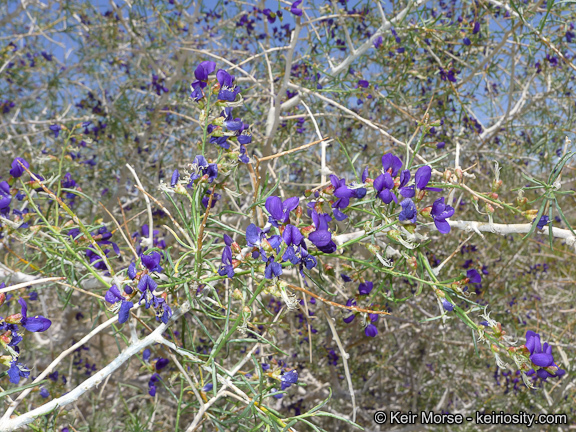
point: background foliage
(462, 84)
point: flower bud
(237, 294)
(494, 195)
(298, 212)
(14, 319)
(307, 193)
(329, 270)
(235, 248)
(426, 211)
(180, 189)
(496, 184)
(489, 208)
(267, 246)
(329, 190)
(394, 235)
(459, 174)
(447, 175)
(307, 230)
(2, 298)
(367, 226)
(246, 312)
(412, 263)
(6, 338)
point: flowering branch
(72, 396)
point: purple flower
(226, 267)
(466, 41)
(132, 271)
(405, 191)
(146, 355)
(124, 311)
(204, 69)
(5, 197)
(44, 392)
(350, 318)
(56, 128)
(371, 330)
(230, 123)
(391, 164)
(152, 384)
(206, 198)
(474, 276)
(273, 269)
(175, 178)
(364, 175)
(113, 295)
(166, 313)
(228, 90)
(208, 387)
(244, 138)
(320, 238)
(201, 167)
(383, 184)
(280, 211)
(161, 363)
(409, 211)
(292, 235)
(33, 324)
(378, 42)
(440, 212)
(476, 28)
(68, 182)
(363, 83)
(447, 305)
(544, 220)
(152, 262)
(17, 169)
(147, 283)
(423, 178)
(17, 371)
(196, 90)
(254, 235)
(294, 8)
(365, 288)
(289, 378)
(243, 156)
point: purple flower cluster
(146, 286)
(388, 187)
(102, 237)
(268, 248)
(159, 364)
(226, 128)
(11, 336)
(541, 358)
